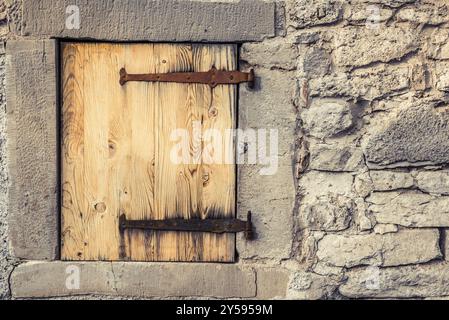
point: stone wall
(360, 205)
(373, 130)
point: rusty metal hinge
(193, 225)
(213, 77)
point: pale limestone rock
(368, 84)
(430, 13)
(390, 180)
(419, 79)
(363, 185)
(392, 249)
(310, 286)
(4, 31)
(365, 223)
(361, 13)
(440, 49)
(276, 52)
(379, 45)
(409, 209)
(305, 13)
(436, 182)
(442, 80)
(389, 3)
(429, 280)
(385, 228)
(335, 157)
(328, 214)
(439, 45)
(327, 270)
(327, 117)
(307, 38)
(315, 184)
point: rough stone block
(416, 135)
(445, 243)
(310, 286)
(277, 52)
(436, 182)
(32, 137)
(439, 46)
(56, 279)
(272, 283)
(306, 13)
(443, 81)
(368, 84)
(393, 249)
(363, 185)
(316, 184)
(335, 157)
(3, 16)
(382, 45)
(425, 13)
(392, 3)
(384, 180)
(327, 117)
(327, 213)
(429, 280)
(316, 63)
(385, 228)
(359, 14)
(151, 20)
(409, 208)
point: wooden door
(116, 143)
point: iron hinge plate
(213, 77)
(192, 225)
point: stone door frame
(33, 104)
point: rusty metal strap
(192, 225)
(213, 77)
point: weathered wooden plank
(217, 169)
(93, 126)
(137, 173)
(32, 148)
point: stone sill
(39, 279)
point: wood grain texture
(116, 145)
